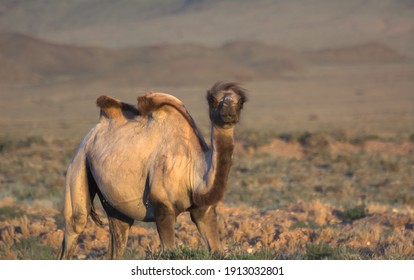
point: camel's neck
(219, 160)
(222, 147)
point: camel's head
(225, 100)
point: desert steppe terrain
(324, 160)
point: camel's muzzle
(229, 113)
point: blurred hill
(28, 60)
(182, 42)
(296, 24)
(309, 65)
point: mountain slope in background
(296, 24)
(26, 59)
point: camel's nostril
(227, 98)
(226, 101)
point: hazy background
(309, 65)
(324, 157)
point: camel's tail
(95, 216)
(93, 190)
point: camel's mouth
(229, 119)
(225, 119)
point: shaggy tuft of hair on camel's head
(224, 86)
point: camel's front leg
(165, 219)
(206, 222)
(119, 229)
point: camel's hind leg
(77, 205)
(206, 222)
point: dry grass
(324, 197)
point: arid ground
(324, 160)
(305, 196)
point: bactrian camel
(150, 163)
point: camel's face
(225, 107)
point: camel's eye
(241, 101)
(212, 101)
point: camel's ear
(113, 108)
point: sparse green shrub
(347, 253)
(263, 254)
(316, 144)
(255, 139)
(9, 212)
(181, 253)
(31, 141)
(319, 251)
(234, 253)
(339, 135)
(291, 137)
(404, 196)
(354, 213)
(8, 144)
(361, 139)
(314, 140)
(32, 249)
(298, 224)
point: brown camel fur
(150, 163)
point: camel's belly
(133, 208)
(126, 197)
(128, 200)
(123, 188)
